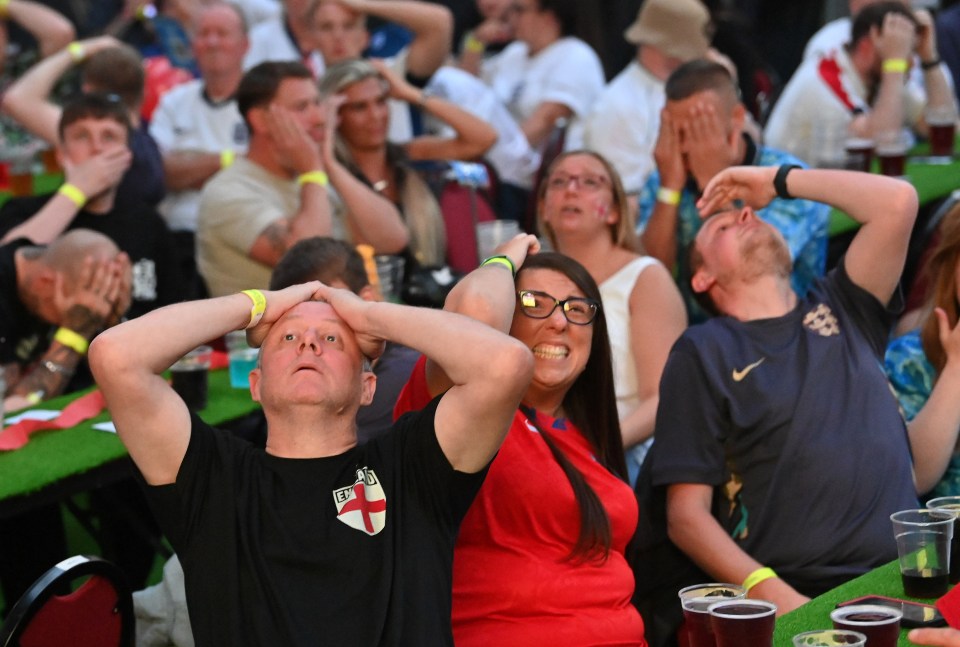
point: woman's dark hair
(591, 405)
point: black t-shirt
(23, 336)
(137, 230)
(792, 420)
(144, 180)
(280, 552)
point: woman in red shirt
(540, 555)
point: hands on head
(518, 248)
(751, 185)
(348, 306)
(896, 38)
(297, 149)
(97, 298)
(694, 137)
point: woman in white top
(550, 72)
(583, 209)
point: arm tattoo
(49, 383)
(276, 234)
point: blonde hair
(419, 206)
(624, 231)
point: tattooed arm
(93, 302)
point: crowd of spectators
(668, 360)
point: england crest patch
(363, 505)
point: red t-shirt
(512, 582)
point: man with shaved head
(80, 283)
(702, 133)
(53, 300)
(315, 537)
(780, 449)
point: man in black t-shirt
(779, 443)
(94, 136)
(78, 283)
(315, 538)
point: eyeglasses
(579, 311)
(560, 181)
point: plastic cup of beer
(830, 638)
(942, 126)
(951, 504)
(923, 545)
(189, 377)
(891, 151)
(737, 623)
(696, 601)
(390, 274)
(859, 153)
(21, 175)
(881, 625)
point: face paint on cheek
(602, 211)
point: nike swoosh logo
(742, 373)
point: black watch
(780, 181)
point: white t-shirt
(258, 11)
(811, 118)
(511, 156)
(186, 120)
(624, 124)
(269, 41)
(567, 71)
(836, 34)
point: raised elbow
(513, 364)
(104, 355)
(58, 35)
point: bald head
(67, 253)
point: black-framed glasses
(579, 311)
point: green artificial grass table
(59, 463)
(815, 614)
(932, 181)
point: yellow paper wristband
(72, 340)
(668, 196)
(895, 65)
(76, 51)
(473, 44)
(34, 397)
(226, 158)
(314, 177)
(74, 194)
(259, 306)
(759, 575)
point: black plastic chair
(99, 613)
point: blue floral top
(912, 378)
(803, 224)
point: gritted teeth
(549, 351)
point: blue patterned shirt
(803, 224)
(912, 377)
